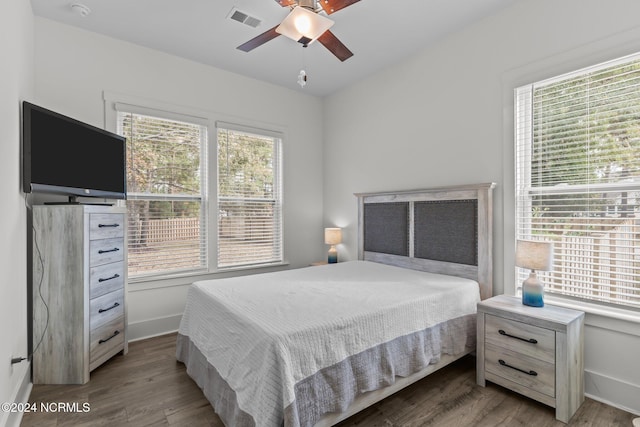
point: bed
(313, 346)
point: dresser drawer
(106, 278)
(106, 226)
(106, 340)
(529, 372)
(106, 251)
(521, 338)
(106, 308)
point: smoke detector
(80, 9)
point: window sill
(606, 317)
(143, 284)
(250, 267)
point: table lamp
(332, 236)
(534, 255)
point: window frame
(278, 193)
(209, 119)
(204, 186)
(609, 308)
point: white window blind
(249, 197)
(166, 194)
(578, 179)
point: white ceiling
(379, 33)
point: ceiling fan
(305, 24)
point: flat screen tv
(64, 156)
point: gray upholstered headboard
(445, 230)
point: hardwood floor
(148, 387)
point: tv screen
(65, 156)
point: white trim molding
(153, 327)
(627, 396)
(20, 394)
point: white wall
(443, 118)
(16, 83)
(74, 67)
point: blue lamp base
(532, 300)
(532, 291)
(333, 255)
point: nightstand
(319, 263)
(535, 351)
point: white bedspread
(264, 333)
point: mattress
(285, 347)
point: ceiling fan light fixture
(303, 25)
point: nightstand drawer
(527, 371)
(521, 338)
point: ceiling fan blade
(335, 46)
(286, 3)
(331, 6)
(259, 40)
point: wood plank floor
(148, 387)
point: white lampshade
(332, 236)
(304, 25)
(534, 255)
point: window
(166, 194)
(578, 179)
(249, 197)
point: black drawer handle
(108, 225)
(101, 251)
(532, 373)
(102, 310)
(105, 340)
(115, 276)
(529, 340)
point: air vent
(243, 18)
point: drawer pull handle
(108, 225)
(529, 340)
(532, 373)
(102, 310)
(115, 276)
(105, 340)
(104, 251)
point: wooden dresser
(535, 351)
(79, 290)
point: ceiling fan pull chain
(302, 78)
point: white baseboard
(20, 394)
(612, 391)
(153, 327)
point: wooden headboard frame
(481, 193)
